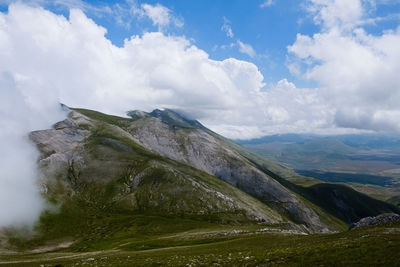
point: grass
(98, 116)
(372, 246)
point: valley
(369, 163)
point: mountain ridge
(105, 177)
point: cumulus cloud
(337, 13)
(357, 70)
(282, 108)
(84, 69)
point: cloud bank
(358, 72)
(74, 62)
(20, 200)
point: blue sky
(269, 29)
(243, 68)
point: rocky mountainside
(161, 162)
(170, 135)
(82, 153)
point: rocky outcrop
(386, 218)
(62, 146)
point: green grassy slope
(371, 246)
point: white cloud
(226, 27)
(160, 15)
(267, 3)
(21, 111)
(84, 69)
(357, 71)
(246, 49)
(336, 13)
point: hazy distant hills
(369, 162)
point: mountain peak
(168, 116)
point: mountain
(84, 153)
(139, 163)
(130, 183)
(206, 151)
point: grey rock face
(61, 146)
(382, 219)
(205, 151)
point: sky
(245, 69)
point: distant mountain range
(370, 163)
